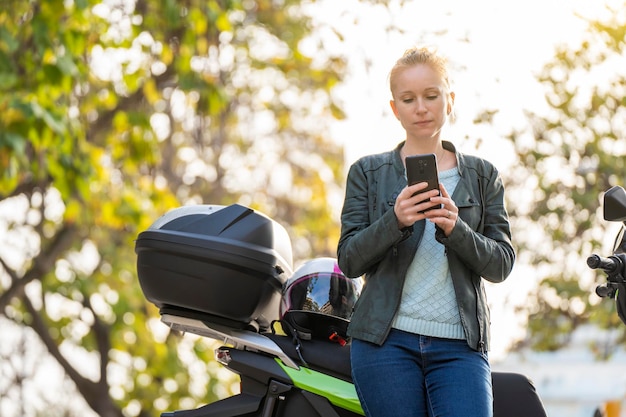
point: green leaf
(53, 121)
(7, 80)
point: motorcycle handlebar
(609, 265)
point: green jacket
(372, 246)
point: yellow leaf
(72, 211)
(12, 115)
(223, 24)
(150, 91)
(49, 57)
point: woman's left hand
(444, 217)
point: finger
(444, 192)
(423, 196)
(415, 188)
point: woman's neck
(414, 146)
(420, 149)
(444, 161)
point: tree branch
(96, 393)
(42, 264)
(102, 335)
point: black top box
(222, 264)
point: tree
(113, 113)
(568, 159)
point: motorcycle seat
(514, 394)
(327, 357)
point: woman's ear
(393, 108)
(450, 102)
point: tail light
(222, 355)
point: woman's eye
(432, 97)
(407, 100)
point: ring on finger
(449, 214)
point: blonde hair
(427, 56)
(415, 56)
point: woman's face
(421, 101)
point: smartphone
(423, 168)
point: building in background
(573, 382)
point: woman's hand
(446, 216)
(412, 201)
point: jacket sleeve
(364, 240)
(488, 252)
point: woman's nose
(420, 106)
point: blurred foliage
(114, 112)
(572, 155)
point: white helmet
(318, 300)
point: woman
(420, 329)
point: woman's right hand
(411, 203)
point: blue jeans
(419, 376)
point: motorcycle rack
(239, 339)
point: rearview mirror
(615, 204)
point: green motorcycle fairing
(338, 392)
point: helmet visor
(324, 292)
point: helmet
(318, 300)
(320, 286)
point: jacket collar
(449, 146)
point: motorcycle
(221, 272)
(614, 265)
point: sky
(495, 50)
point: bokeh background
(113, 112)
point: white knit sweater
(428, 306)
